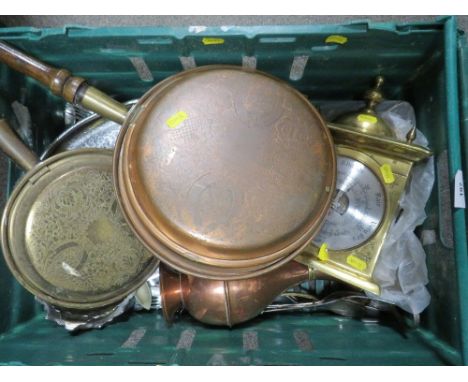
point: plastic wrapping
(82, 320)
(75, 320)
(401, 269)
(154, 294)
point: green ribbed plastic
(419, 62)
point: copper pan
(222, 172)
(227, 303)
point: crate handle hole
(324, 48)
(155, 41)
(277, 40)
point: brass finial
(366, 120)
(411, 136)
(374, 96)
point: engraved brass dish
(223, 173)
(373, 171)
(63, 235)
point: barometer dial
(357, 209)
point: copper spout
(225, 302)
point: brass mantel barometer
(373, 170)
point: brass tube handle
(15, 148)
(62, 83)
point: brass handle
(62, 83)
(15, 148)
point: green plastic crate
(419, 62)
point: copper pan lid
(203, 268)
(224, 167)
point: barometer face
(357, 208)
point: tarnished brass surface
(15, 148)
(355, 264)
(225, 303)
(382, 145)
(95, 100)
(411, 135)
(64, 237)
(368, 250)
(240, 181)
(366, 120)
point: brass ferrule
(99, 102)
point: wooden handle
(62, 83)
(59, 81)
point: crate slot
(324, 48)
(297, 68)
(277, 40)
(155, 41)
(142, 69)
(249, 62)
(187, 62)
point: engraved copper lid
(224, 172)
(64, 237)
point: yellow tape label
(387, 173)
(176, 119)
(323, 252)
(356, 262)
(337, 39)
(212, 41)
(367, 118)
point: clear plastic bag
(147, 297)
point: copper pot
(226, 303)
(223, 173)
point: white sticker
(459, 190)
